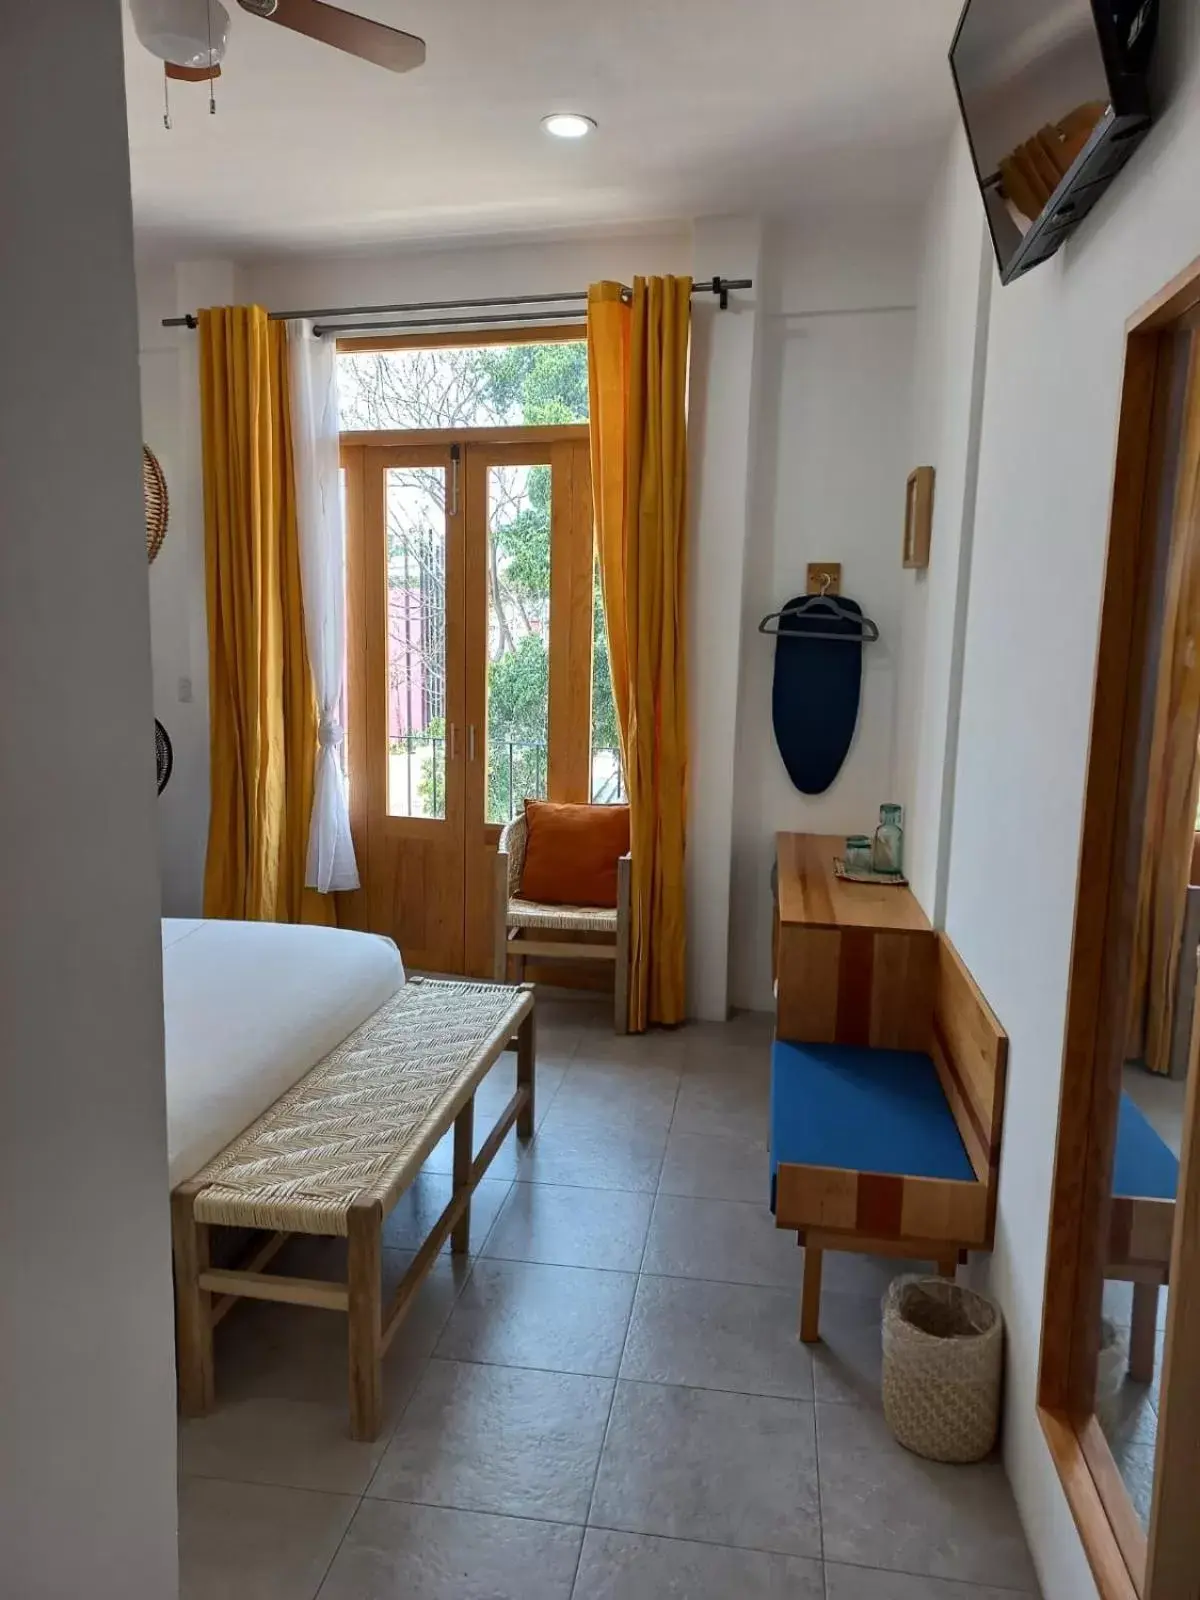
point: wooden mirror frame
(1127, 1562)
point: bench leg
(526, 1063)
(365, 1286)
(193, 1320)
(948, 1266)
(1143, 1332)
(810, 1299)
(464, 1154)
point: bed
(249, 1008)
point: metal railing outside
(419, 745)
(508, 759)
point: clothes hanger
(822, 604)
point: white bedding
(249, 1008)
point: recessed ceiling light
(567, 125)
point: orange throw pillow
(571, 853)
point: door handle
(471, 743)
(455, 455)
(454, 741)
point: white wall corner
(834, 369)
(88, 1457)
(954, 291)
(723, 412)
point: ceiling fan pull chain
(166, 99)
(212, 93)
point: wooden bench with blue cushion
(892, 1152)
(1141, 1228)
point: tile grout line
(620, 1363)
(601, 1527)
(460, 1289)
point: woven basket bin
(942, 1352)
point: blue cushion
(838, 1105)
(1145, 1166)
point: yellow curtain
(637, 372)
(1174, 772)
(262, 705)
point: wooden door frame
(468, 338)
(568, 728)
(1125, 1562)
(372, 826)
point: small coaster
(886, 880)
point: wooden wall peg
(918, 517)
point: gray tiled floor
(607, 1400)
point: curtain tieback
(330, 733)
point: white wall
(87, 1404)
(725, 423)
(836, 372)
(179, 631)
(1053, 383)
(954, 288)
(304, 282)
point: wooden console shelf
(854, 962)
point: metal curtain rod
(718, 286)
(321, 328)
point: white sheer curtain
(312, 364)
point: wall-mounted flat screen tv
(1055, 100)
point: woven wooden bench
(334, 1155)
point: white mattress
(249, 1008)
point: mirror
(1119, 1392)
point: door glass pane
(608, 780)
(518, 524)
(416, 641)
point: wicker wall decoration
(154, 488)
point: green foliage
(542, 383)
(523, 541)
(518, 690)
(431, 786)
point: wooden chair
(525, 928)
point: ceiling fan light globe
(186, 33)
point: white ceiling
(704, 107)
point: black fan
(164, 757)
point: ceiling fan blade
(358, 36)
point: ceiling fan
(190, 36)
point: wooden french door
(407, 688)
(469, 669)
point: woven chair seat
(579, 919)
(361, 1123)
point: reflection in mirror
(1119, 1386)
(1162, 973)
(1149, 1135)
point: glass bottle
(887, 856)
